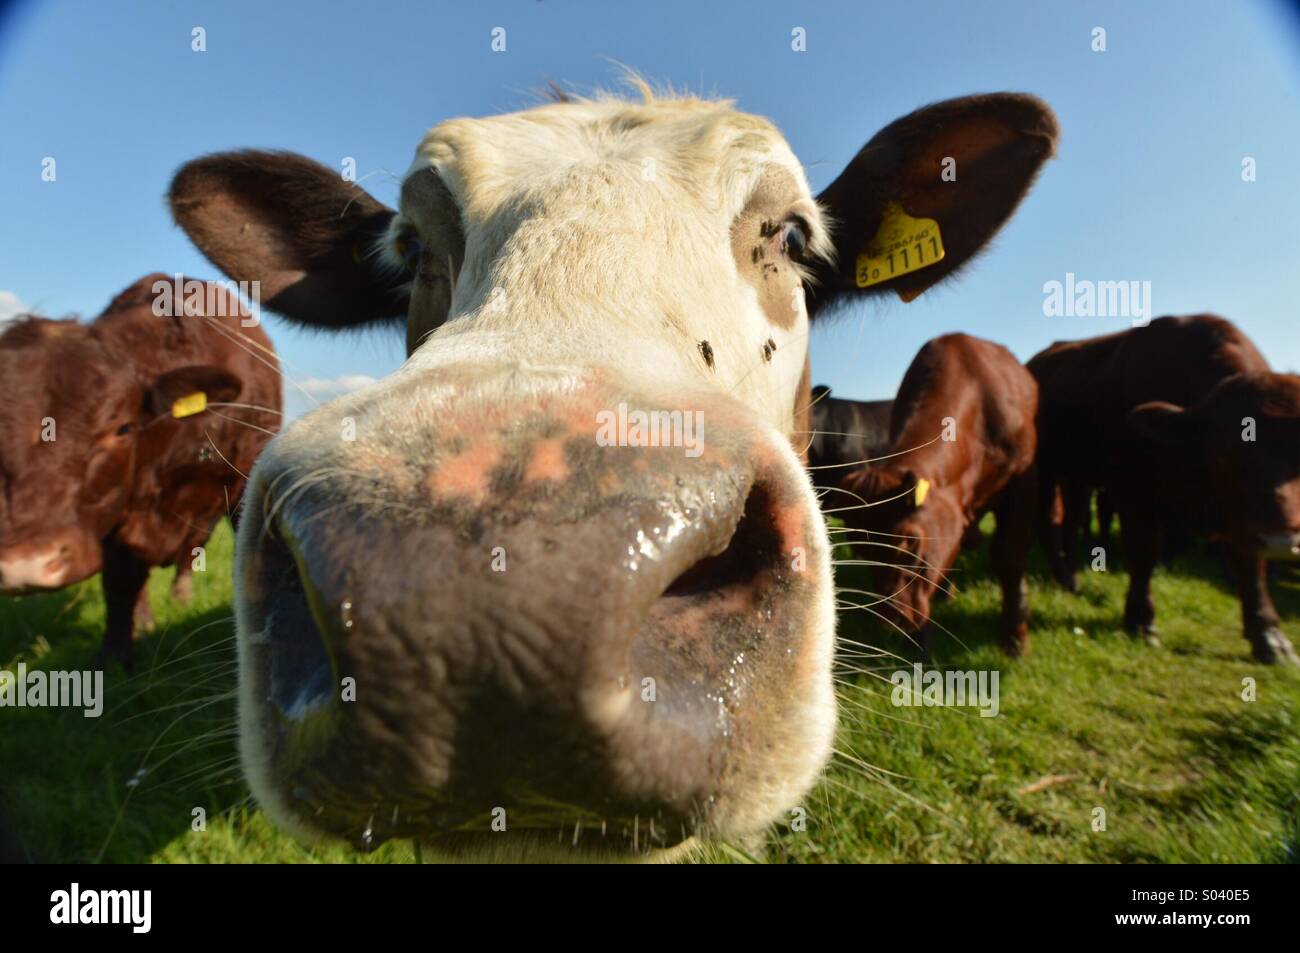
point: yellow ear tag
(922, 490)
(190, 404)
(903, 245)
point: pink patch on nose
(791, 526)
(547, 461)
(467, 474)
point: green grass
(1160, 738)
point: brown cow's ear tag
(922, 491)
(902, 245)
(190, 404)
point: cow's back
(981, 392)
(1087, 387)
(846, 432)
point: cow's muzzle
(519, 632)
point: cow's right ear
(1164, 424)
(296, 227)
(186, 391)
(944, 179)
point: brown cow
(962, 439)
(1111, 417)
(101, 468)
(1230, 466)
(1088, 387)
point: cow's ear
(963, 164)
(187, 391)
(298, 228)
(1164, 424)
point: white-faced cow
(483, 602)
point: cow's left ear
(187, 391)
(963, 164)
(297, 228)
(1164, 424)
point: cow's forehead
(702, 148)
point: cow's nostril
(751, 549)
(300, 669)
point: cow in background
(962, 443)
(845, 434)
(1229, 466)
(124, 440)
(1157, 417)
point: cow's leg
(1076, 508)
(124, 579)
(1259, 618)
(1141, 533)
(183, 584)
(1050, 515)
(1105, 519)
(1059, 524)
(1010, 553)
(922, 644)
(141, 613)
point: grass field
(1159, 738)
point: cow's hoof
(1016, 644)
(1271, 647)
(1015, 648)
(919, 647)
(1145, 632)
(108, 660)
(1067, 581)
(183, 590)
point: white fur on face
(603, 228)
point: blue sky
(1147, 185)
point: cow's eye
(410, 249)
(123, 430)
(795, 239)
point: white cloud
(10, 306)
(334, 386)
(318, 391)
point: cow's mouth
(426, 762)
